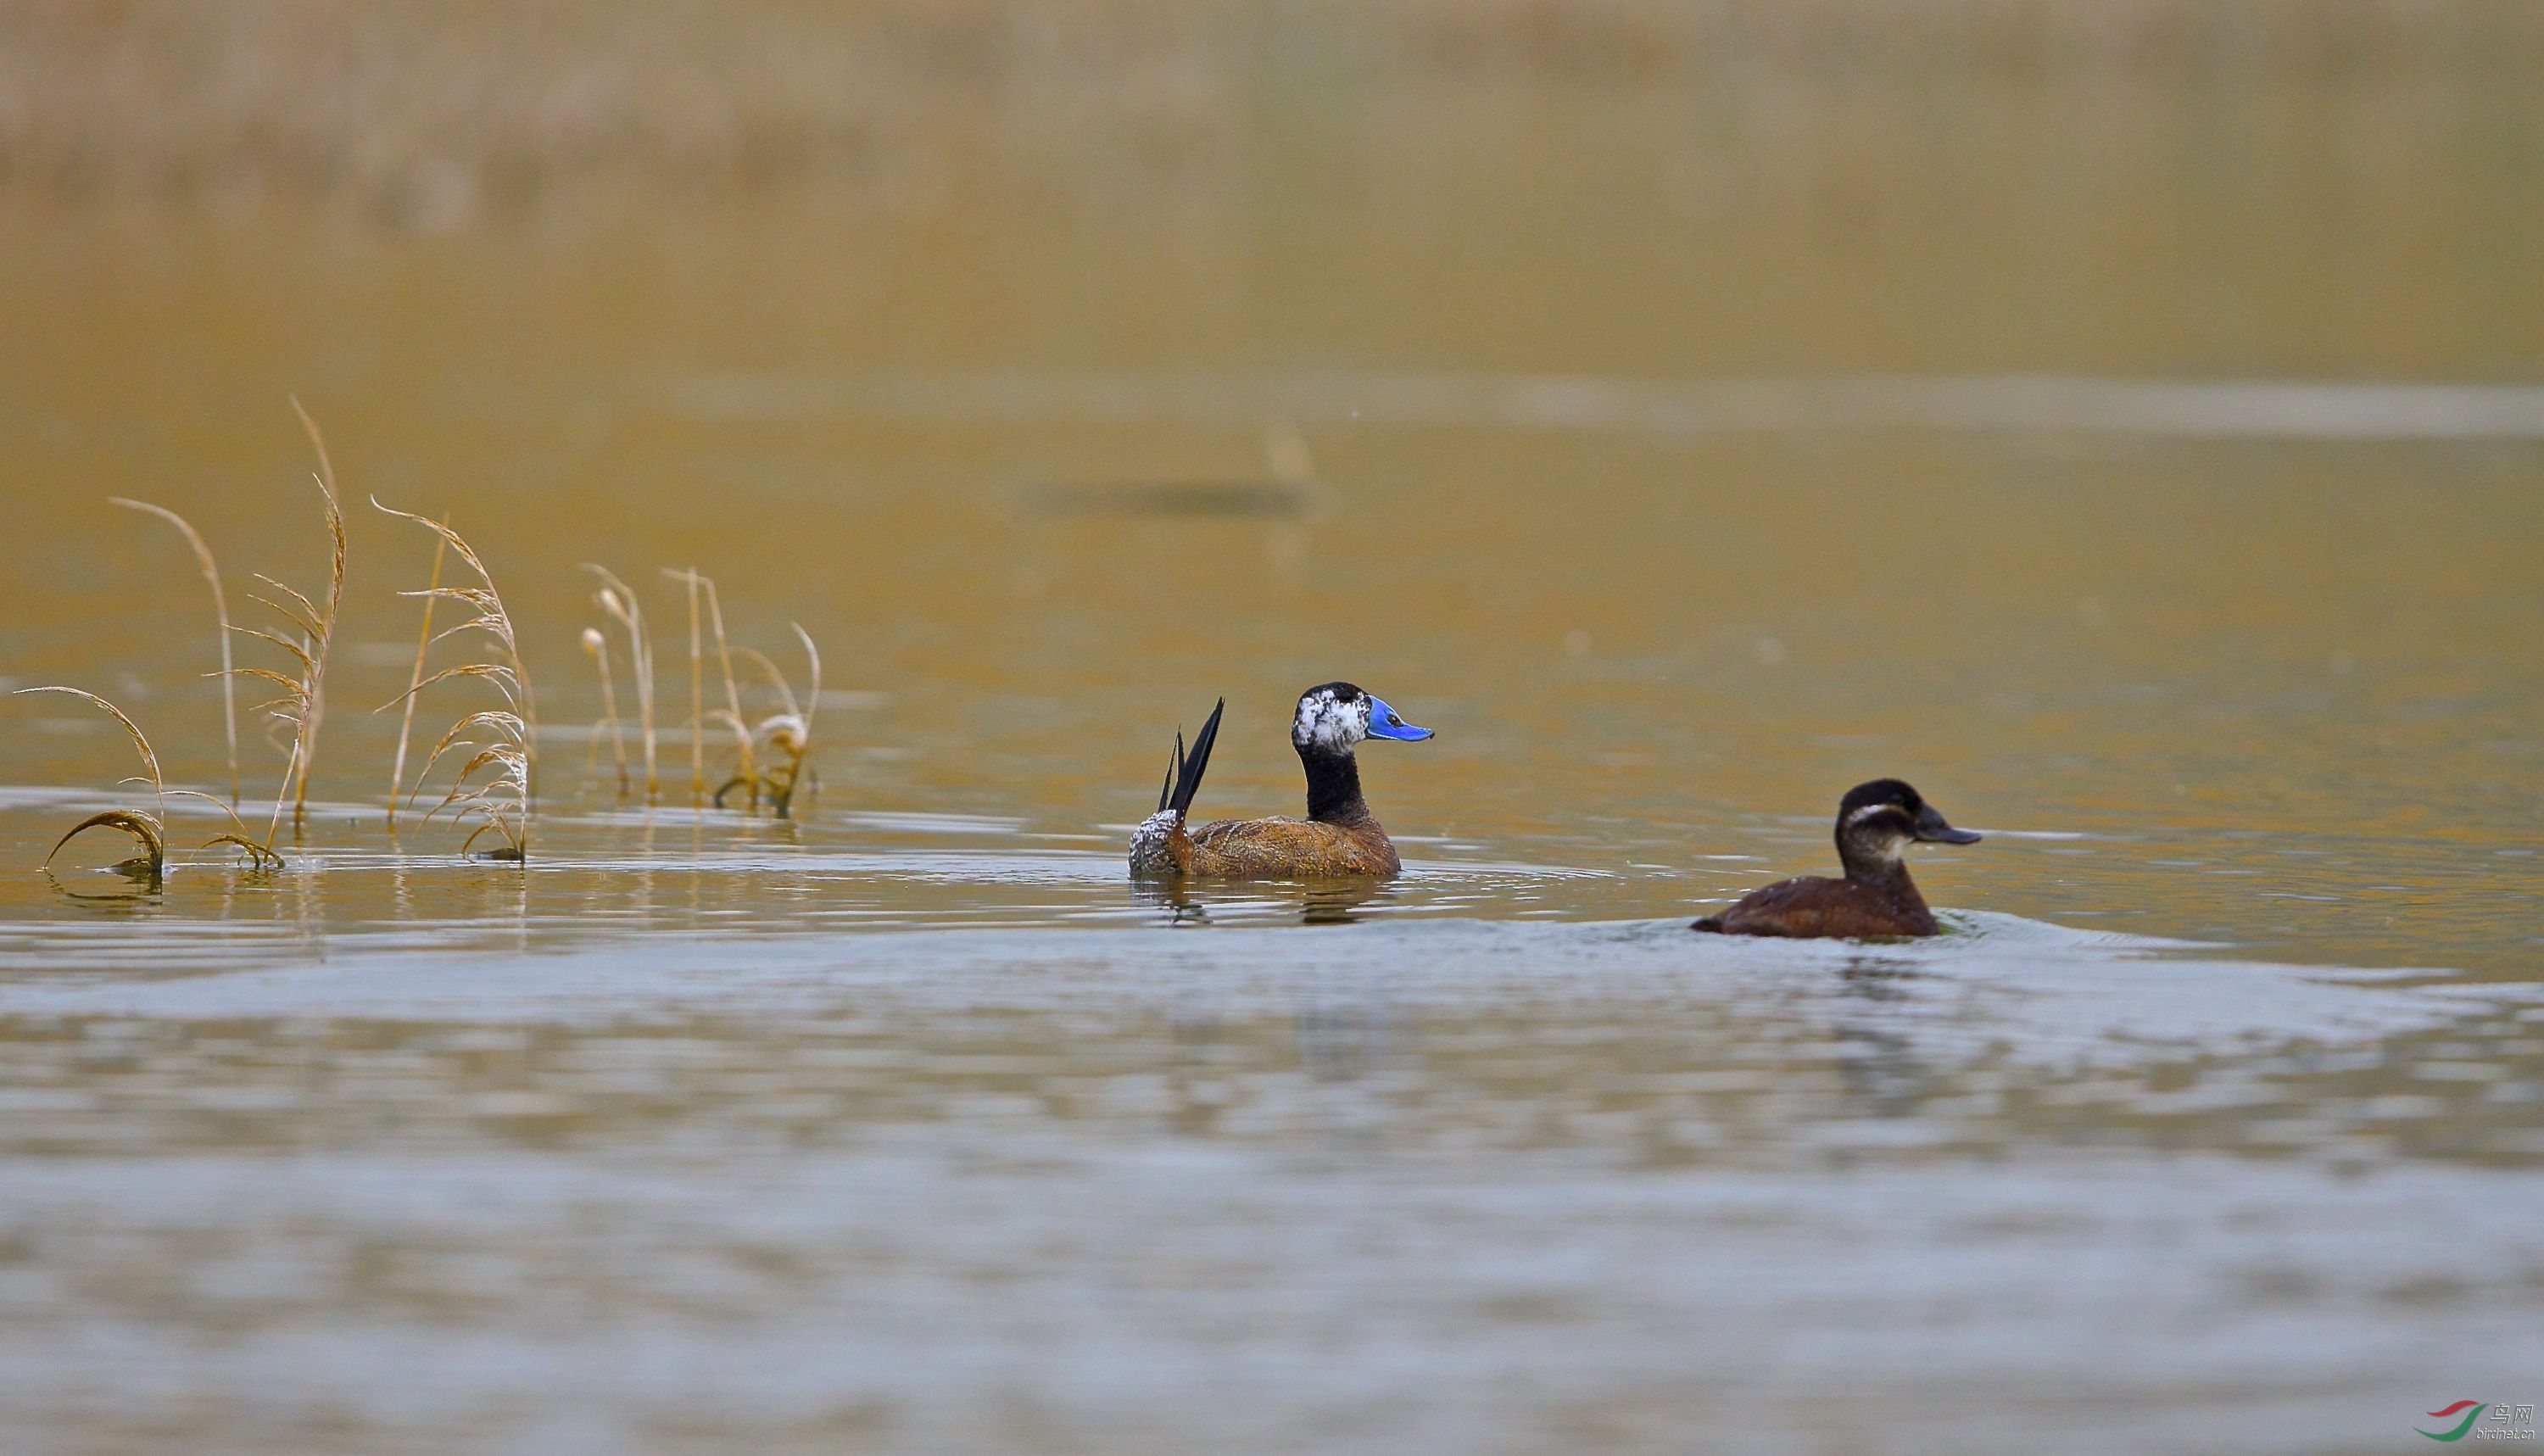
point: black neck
(1333, 787)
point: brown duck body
(1814, 905)
(1281, 847)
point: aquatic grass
(259, 854)
(259, 857)
(144, 829)
(617, 602)
(792, 732)
(697, 734)
(595, 645)
(495, 782)
(150, 830)
(302, 706)
(744, 771)
(220, 611)
(501, 801)
(754, 783)
(787, 732)
(414, 680)
(733, 723)
(140, 744)
(746, 763)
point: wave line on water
(2224, 409)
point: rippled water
(2200, 575)
(672, 1176)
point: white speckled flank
(1331, 722)
(1149, 852)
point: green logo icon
(2472, 1412)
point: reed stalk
(324, 634)
(414, 680)
(149, 829)
(732, 693)
(220, 611)
(504, 801)
(595, 645)
(617, 602)
(790, 731)
(260, 856)
(744, 772)
(697, 698)
(302, 706)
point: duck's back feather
(1812, 907)
(1281, 847)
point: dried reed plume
(303, 703)
(221, 611)
(596, 647)
(414, 680)
(617, 602)
(501, 801)
(788, 732)
(149, 828)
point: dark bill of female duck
(1340, 837)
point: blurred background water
(2122, 419)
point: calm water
(1680, 473)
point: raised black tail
(1184, 775)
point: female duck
(1875, 823)
(1340, 836)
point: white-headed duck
(1340, 836)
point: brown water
(2152, 478)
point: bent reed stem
(414, 680)
(221, 611)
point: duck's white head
(1334, 717)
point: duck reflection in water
(1319, 902)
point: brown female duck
(1340, 836)
(1875, 823)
